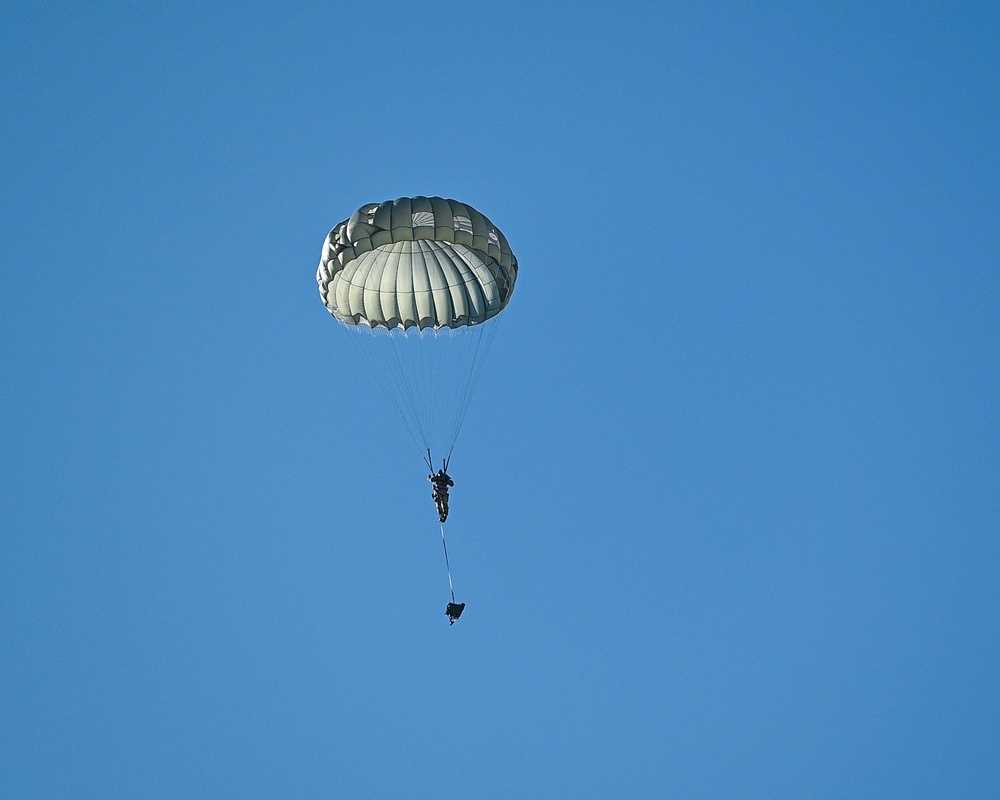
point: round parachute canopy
(414, 280)
(416, 262)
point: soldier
(441, 481)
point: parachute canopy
(416, 262)
(420, 283)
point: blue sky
(726, 509)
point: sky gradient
(728, 495)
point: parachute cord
(475, 371)
(356, 334)
(447, 563)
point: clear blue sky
(728, 497)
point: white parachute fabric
(420, 282)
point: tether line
(447, 563)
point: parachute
(420, 283)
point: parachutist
(421, 283)
(441, 481)
(454, 611)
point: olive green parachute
(420, 282)
(416, 262)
